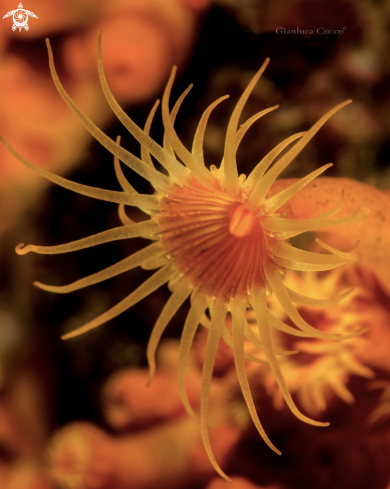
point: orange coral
(237, 483)
(373, 233)
(328, 366)
(82, 456)
(129, 403)
(144, 38)
(25, 475)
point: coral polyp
(218, 239)
(327, 366)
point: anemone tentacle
(258, 171)
(150, 252)
(275, 202)
(161, 277)
(213, 337)
(287, 228)
(123, 182)
(197, 144)
(259, 303)
(228, 339)
(170, 309)
(166, 143)
(198, 307)
(229, 154)
(155, 177)
(309, 301)
(144, 229)
(138, 200)
(174, 168)
(260, 191)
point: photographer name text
(319, 30)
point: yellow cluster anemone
(328, 365)
(218, 239)
(382, 410)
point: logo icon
(20, 18)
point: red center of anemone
(242, 221)
(212, 240)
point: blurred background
(77, 414)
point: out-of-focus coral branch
(142, 39)
(82, 456)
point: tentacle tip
(356, 245)
(224, 476)
(150, 379)
(70, 335)
(48, 46)
(49, 288)
(20, 250)
(364, 330)
(76, 332)
(49, 50)
(273, 448)
(194, 417)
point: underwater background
(322, 52)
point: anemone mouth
(209, 238)
(243, 222)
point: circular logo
(20, 19)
